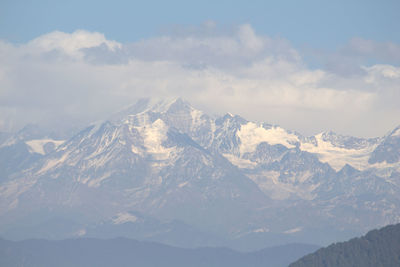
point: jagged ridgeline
(378, 248)
(165, 171)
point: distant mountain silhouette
(120, 252)
(377, 248)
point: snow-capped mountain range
(222, 177)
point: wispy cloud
(350, 59)
(83, 76)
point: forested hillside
(377, 248)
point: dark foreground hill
(120, 252)
(377, 248)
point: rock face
(225, 177)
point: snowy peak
(347, 142)
(388, 150)
(175, 113)
(184, 117)
(229, 119)
(347, 171)
(143, 105)
(338, 150)
(152, 105)
(395, 133)
(162, 106)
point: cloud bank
(75, 78)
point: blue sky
(309, 66)
(323, 24)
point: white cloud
(82, 76)
(249, 39)
(349, 59)
(372, 49)
(73, 43)
(382, 72)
